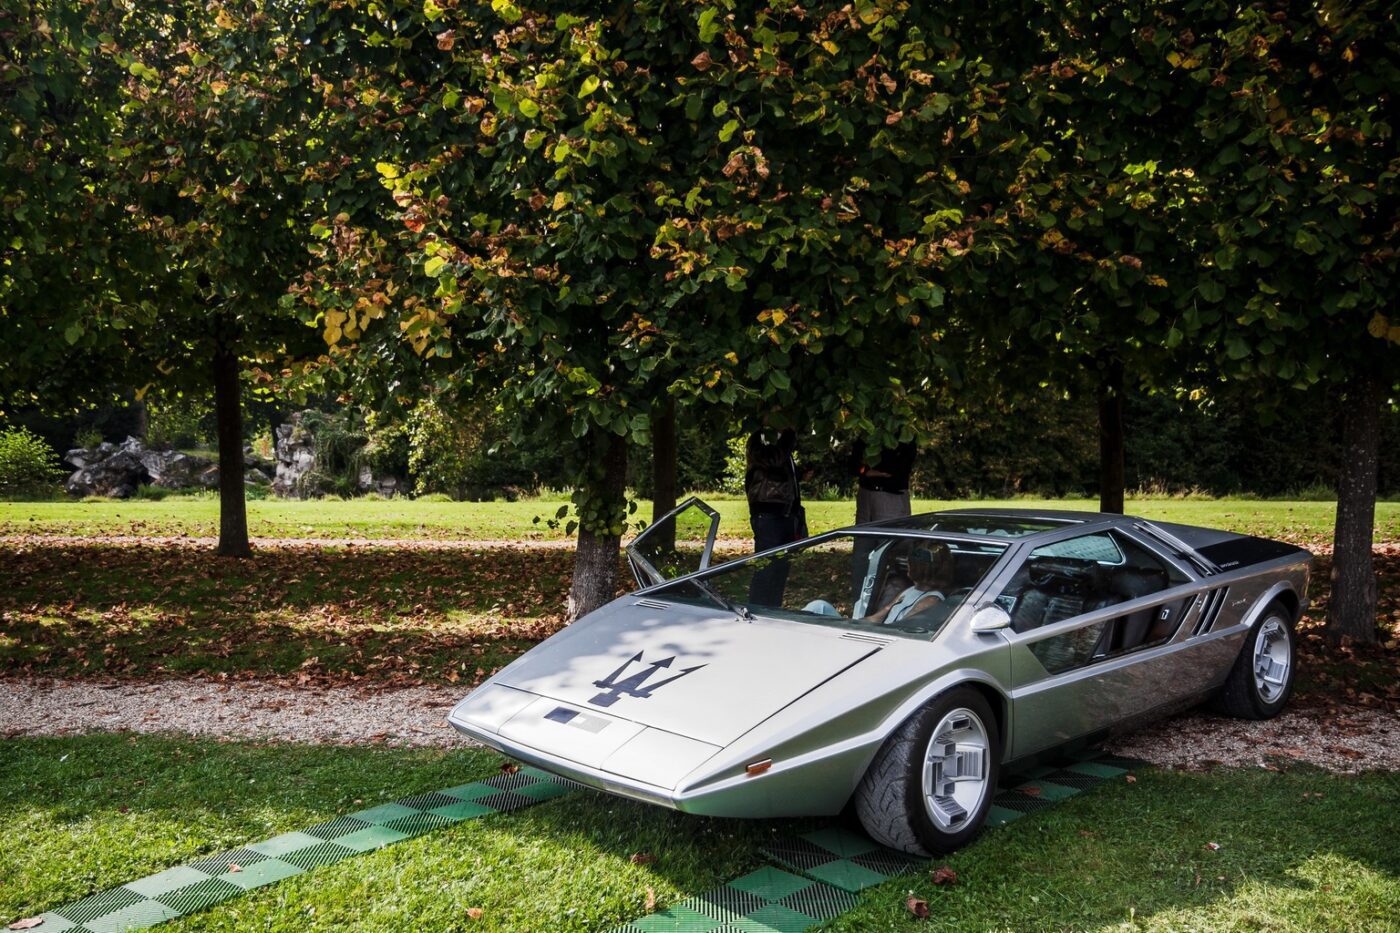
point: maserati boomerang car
(896, 666)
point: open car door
(680, 542)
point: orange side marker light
(758, 767)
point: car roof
(1015, 524)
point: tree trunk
(1111, 437)
(595, 561)
(228, 413)
(1351, 613)
(663, 471)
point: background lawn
(399, 614)
(515, 521)
(1298, 849)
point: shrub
(27, 462)
(88, 438)
(179, 421)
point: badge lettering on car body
(636, 685)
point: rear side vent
(651, 604)
(867, 639)
(1210, 611)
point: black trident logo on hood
(636, 685)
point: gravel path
(337, 715)
(1348, 741)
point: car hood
(690, 671)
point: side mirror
(990, 618)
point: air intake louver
(868, 639)
(651, 604)
(1210, 611)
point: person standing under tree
(775, 509)
(882, 492)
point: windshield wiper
(741, 612)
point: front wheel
(929, 788)
(1261, 681)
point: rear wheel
(1261, 681)
(929, 788)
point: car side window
(1066, 579)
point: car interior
(1054, 587)
(890, 577)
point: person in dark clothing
(775, 510)
(882, 492)
(883, 489)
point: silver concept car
(894, 666)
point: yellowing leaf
(561, 200)
(778, 317)
(590, 84)
(386, 169)
(1379, 326)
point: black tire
(890, 800)
(1240, 696)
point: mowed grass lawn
(1297, 850)
(515, 521)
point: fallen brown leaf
(1213, 846)
(642, 858)
(28, 923)
(475, 912)
(651, 899)
(1030, 790)
(944, 875)
(234, 866)
(1132, 779)
(917, 906)
(509, 767)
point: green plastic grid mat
(1046, 785)
(216, 878)
(838, 863)
(763, 900)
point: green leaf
(386, 169)
(693, 106)
(434, 266)
(534, 138)
(528, 107)
(590, 84)
(727, 131)
(505, 10)
(708, 26)
(1210, 289)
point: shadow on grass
(333, 612)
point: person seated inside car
(931, 570)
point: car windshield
(901, 584)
